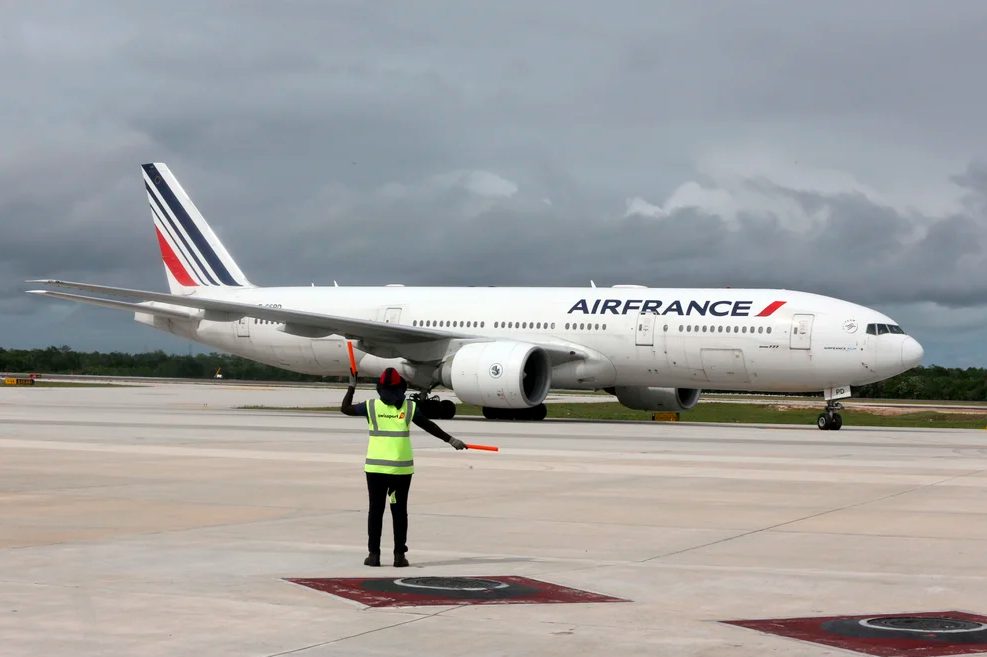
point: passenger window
(582, 327)
(604, 327)
(666, 328)
(760, 329)
(719, 329)
(769, 329)
(567, 326)
(704, 328)
(597, 327)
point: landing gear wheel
(492, 413)
(535, 413)
(432, 408)
(448, 409)
(830, 419)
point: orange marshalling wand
(488, 448)
(349, 347)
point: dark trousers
(380, 486)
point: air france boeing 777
(654, 349)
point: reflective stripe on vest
(389, 450)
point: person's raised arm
(347, 407)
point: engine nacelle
(501, 374)
(641, 398)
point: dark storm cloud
(832, 148)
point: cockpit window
(882, 329)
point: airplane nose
(912, 353)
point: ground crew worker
(390, 463)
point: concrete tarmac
(148, 521)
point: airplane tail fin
(192, 253)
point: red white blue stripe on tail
(192, 253)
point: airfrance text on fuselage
(714, 308)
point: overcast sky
(836, 147)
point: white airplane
(654, 349)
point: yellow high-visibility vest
(389, 450)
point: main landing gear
(830, 419)
(534, 413)
(435, 408)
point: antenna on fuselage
(591, 283)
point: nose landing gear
(830, 419)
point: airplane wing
(120, 305)
(297, 322)
(309, 324)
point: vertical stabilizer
(192, 253)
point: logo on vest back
(401, 417)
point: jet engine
(500, 374)
(641, 398)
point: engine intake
(640, 398)
(501, 374)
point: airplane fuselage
(729, 339)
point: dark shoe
(373, 559)
(400, 561)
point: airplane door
(801, 332)
(392, 316)
(243, 328)
(646, 329)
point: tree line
(923, 383)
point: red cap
(390, 377)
